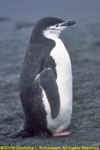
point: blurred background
(17, 19)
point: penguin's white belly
(64, 83)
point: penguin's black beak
(68, 23)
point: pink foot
(62, 133)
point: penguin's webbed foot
(64, 133)
(44, 134)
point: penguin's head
(56, 26)
(51, 27)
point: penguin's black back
(30, 91)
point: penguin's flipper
(48, 62)
(49, 85)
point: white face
(54, 31)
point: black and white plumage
(46, 80)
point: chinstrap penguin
(46, 81)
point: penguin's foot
(44, 134)
(22, 134)
(64, 133)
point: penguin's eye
(57, 25)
